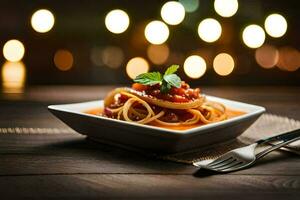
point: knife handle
(282, 137)
(277, 146)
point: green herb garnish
(165, 81)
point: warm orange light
(289, 59)
(223, 64)
(158, 54)
(267, 56)
(63, 60)
(13, 77)
(136, 66)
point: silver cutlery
(244, 157)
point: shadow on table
(127, 160)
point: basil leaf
(165, 87)
(173, 80)
(167, 81)
(151, 78)
(171, 70)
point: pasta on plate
(162, 100)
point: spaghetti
(148, 105)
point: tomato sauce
(230, 113)
(176, 95)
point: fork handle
(277, 146)
(282, 137)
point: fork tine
(228, 163)
(231, 165)
(234, 168)
(219, 161)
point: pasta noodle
(139, 107)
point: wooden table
(57, 165)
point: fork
(244, 157)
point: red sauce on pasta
(176, 95)
(230, 114)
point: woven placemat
(267, 125)
(35, 130)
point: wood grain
(151, 186)
(42, 166)
(71, 154)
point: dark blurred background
(80, 49)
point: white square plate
(151, 138)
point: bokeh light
(267, 56)
(117, 21)
(42, 21)
(96, 56)
(112, 56)
(209, 30)
(156, 32)
(158, 54)
(223, 64)
(226, 8)
(13, 50)
(172, 12)
(190, 5)
(136, 66)
(289, 59)
(253, 36)
(207, 53)
(13, 77)
(63, 60)
(275, 25)
(194, 66)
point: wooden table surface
(63, 165)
